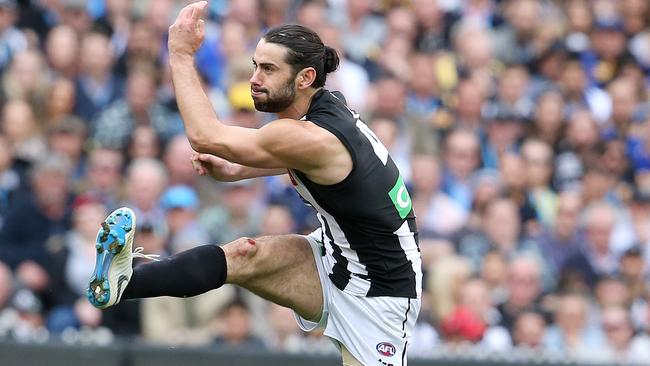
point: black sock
(185, 274)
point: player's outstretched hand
(218, 168)
(188, 31)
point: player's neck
(300, 106)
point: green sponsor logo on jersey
(400, 197)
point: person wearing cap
(608, 48)
(181, 206)
(504, 128)
(242, 106)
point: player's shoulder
(292, 128)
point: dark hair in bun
(305, 49)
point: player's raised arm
(284, 143)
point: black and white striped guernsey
(367, 221)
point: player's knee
(240, 258)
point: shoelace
(137, 253)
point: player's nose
(255, 80)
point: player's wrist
(180, 57)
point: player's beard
(279, 100)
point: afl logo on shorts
(386, 349)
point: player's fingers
(185, 13)
(200, 27)
(204, 157)
(197, 9)
(196, 164)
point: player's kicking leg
(281, 269)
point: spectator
(143, 143)
(12, 39)
(432, 29)
(104, 177)
(500, 231)
(168, 320)
(74, 14)
(445, 278)
(475, 296)
(67, 138)
(461, 327)
(237, 216)
(461, 158)
(96, 86)
(607, 49)
(139, 108)
(503, 131)
(581, 95)
(48, 211)
(439, 214)
(513, 90)
(60, 102)
(285, 336)
(595, 258)
(21, 128)
(350, 78)
(524, 290)
(549, 119)
(62, 51)
(181, 204)
(571, 334)
(277, 220)
(622, 345)
(625, 101)
(146, 180)
(78, 266)
(27, 79)
(529, 331)
(235, 328)
(562, 239)
(486, 186)
(538, 157)
(611, 291)
(364, 31)
(494, 271)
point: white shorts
(375, 330)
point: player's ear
(306, 77)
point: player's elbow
(201, 143)
(211, 145)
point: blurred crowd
(522, 128)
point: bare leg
(348, 359)
(280, 269)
